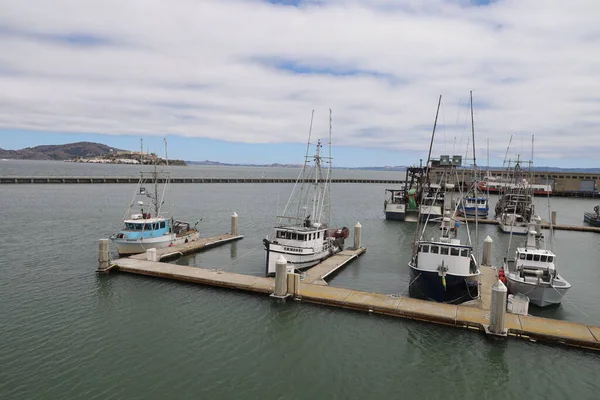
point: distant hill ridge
(67, 151)
(71, 151)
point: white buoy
(487, 251)
(498, 310)
(234, 224)
(103, 255)
(280, 277)
(151, 254)
(357, 235)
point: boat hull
(514, 229)
(129, 247)
(591, 218)
(473, 212)
(296, 261)
(395, 212)
(540, 295)
(428, 285)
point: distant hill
(217, 163)
(60, 152)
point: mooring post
(498, 310)
(234, 224)
(103, 255)
(553, 218)
(151, 254)
(280, 278)
(487, 251)
(357, 235)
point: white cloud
(214, 69)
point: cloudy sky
(235, 80)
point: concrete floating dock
(169, 253)
(526, 327)
(558, 227)
(317, 274)
(478, 314)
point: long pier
(312, 289)
(545, 225)
(135, 179)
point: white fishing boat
(532, 272)
(443, 269)
(515, 211)
(150, 226)
(302, 234)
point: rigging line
(409, 284)
(577, 308)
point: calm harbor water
(67, 333)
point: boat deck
(317, 274)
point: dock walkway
(168, 253)
(317, 274)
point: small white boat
(532, 272)
(394, 205)
(302, 234)
(150, 227)
(444, 270)
(515, 212)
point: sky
(237, 80)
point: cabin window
(550, 258)
(294, 236)
(522, 256)
(454, 252)
(464, 253)
(444, 250)
(163, 224)
(434, 249)
(536, 257)
(425, 249)
(529, 257)
(147, 227)
(318, 235)
(544, 259)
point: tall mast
(417, 230)
(433, 135)
(473, 133)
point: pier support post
(103, 256)
(553, 218)
(487, 251)
(498, 310)
(234, 224)
(151, 254)
(357, 235)
(293, 284)
(281, 290)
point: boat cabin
(141, 228)
(395, 196)
(450, 256)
